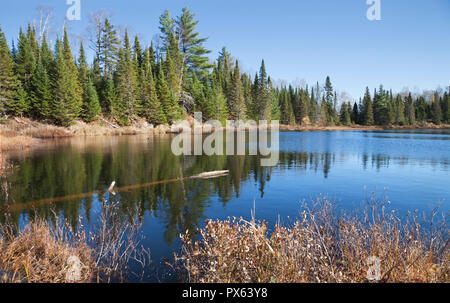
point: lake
(409, 168)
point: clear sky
(298, 39)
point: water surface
(409, 168)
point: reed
(42, 252)
(321, 246)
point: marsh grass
(41, 251)
(321, 246)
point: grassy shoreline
(320, 247)
(23, 133)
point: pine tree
(46, 54)
(67, 95)
(275, 111)
(329, 101)
(313, 108)
(171, 74)
(202, 104)
(421, 109)
(108, 98)
(167, 28)
(304, 106)
(248, 96)
(381, 107)
(399, 111)
(286, 112)
(91, 104)
(125, 106)
(410, 110)
(367, 109)
(151, 108)
(41, 92)
(74, 83)
(437, 111)
(25, 60)
(169, 104)
(8, 82)
(236, 102)
(83, 69)
(446, 107)
(261, 103)
(355, 114)
(345, 114)
(21, 102)
(194, 53)
(218, 104)
(109, 49)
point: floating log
(32, 204)
(213, 174)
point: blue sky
(298, 39)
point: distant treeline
(127, 80)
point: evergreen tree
(202, 104)
(286, 112)
(83, 69)
(248, 96)
(91, 104)
(304, 106)
(236, 102)
(367, 109)
(329, 101)
(410, 110)
(194, 53)
(345, 114)
(446, 107)
(126, 85)
(67, 96)
(172, 76)
(421, 109)
(8, 82)
(41, 92)
(108, 97)
(399, 111)
(25, 60)
(21, 102)
(218, 104)
(151, 108)
(313, 107)
(437, 111)
(355, 114)
(381, 107)
(169, 104)
(46, 54)
(108, 49)
(261, 103)
(167, 28)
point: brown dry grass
(44, 253)
(40, 254)
(9, 141)
(25, 127)
(319, 247)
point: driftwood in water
(29, 205)
(213, 174)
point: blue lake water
(409, 168)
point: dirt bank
(22, 133)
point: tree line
(127, 81)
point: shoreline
(23, 133)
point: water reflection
(83, 165)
